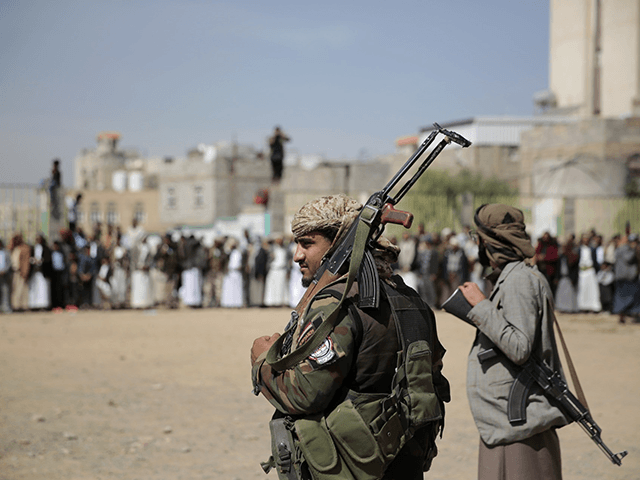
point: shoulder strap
(329, 321)
(570, 365)
(572, 369)
(410, 324)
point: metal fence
(23, 209)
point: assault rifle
(376, 213)
(354, 253)
(535, 371)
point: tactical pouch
(356, 443)
(319, 450)
(425, 406)
(342, 446)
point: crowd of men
(112, 269)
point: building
(302, 183)
(210, 183)
(495, 144)
(573, 171)
(580, 155)
(594, 58)
(580, 150)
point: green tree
(436, 199)
(439, 182)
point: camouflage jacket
(359, 355)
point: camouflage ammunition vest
(360, 438)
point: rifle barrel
(616, 458)
(409, 163)
(428, 161)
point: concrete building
(301, 184)
(586, 163)
(594, 83)
(594, 58)
(494, 152)
(581, 152)
(210, 183)
(584, 144)
(99, 168)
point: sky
(344, 79)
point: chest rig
(362, 435)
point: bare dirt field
(167, 395)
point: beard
(306, 282)
(482, 256)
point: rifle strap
(274, 358)
(572, 369)
(570, 366)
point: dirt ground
(167, 395)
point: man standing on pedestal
(276, 144)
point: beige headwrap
(502, 230)
(334, 215)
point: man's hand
(472, 293)
(261, 345)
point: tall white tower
(594, 61)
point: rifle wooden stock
(398, 217)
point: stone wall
(582, 159)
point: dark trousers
(73, 293)
(58, 289)
(276, 167)
(86, 293)
(5, 291)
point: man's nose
(298, 256)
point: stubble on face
(310, 250)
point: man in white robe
(39, 282)
(276, 286)
(232, 283)
(192, 262)
(141, 259)
(588, 288)
(296, 290)
(119, 275)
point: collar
(508, 268)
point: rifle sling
(328, 323)
(570, 366)
(572, 369)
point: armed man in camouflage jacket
(354, 364)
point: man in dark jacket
(333, 397)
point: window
(94, 213)
(139, 213)
(113, 218)
(172, 199)
(198, 192)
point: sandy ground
(166, 395)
